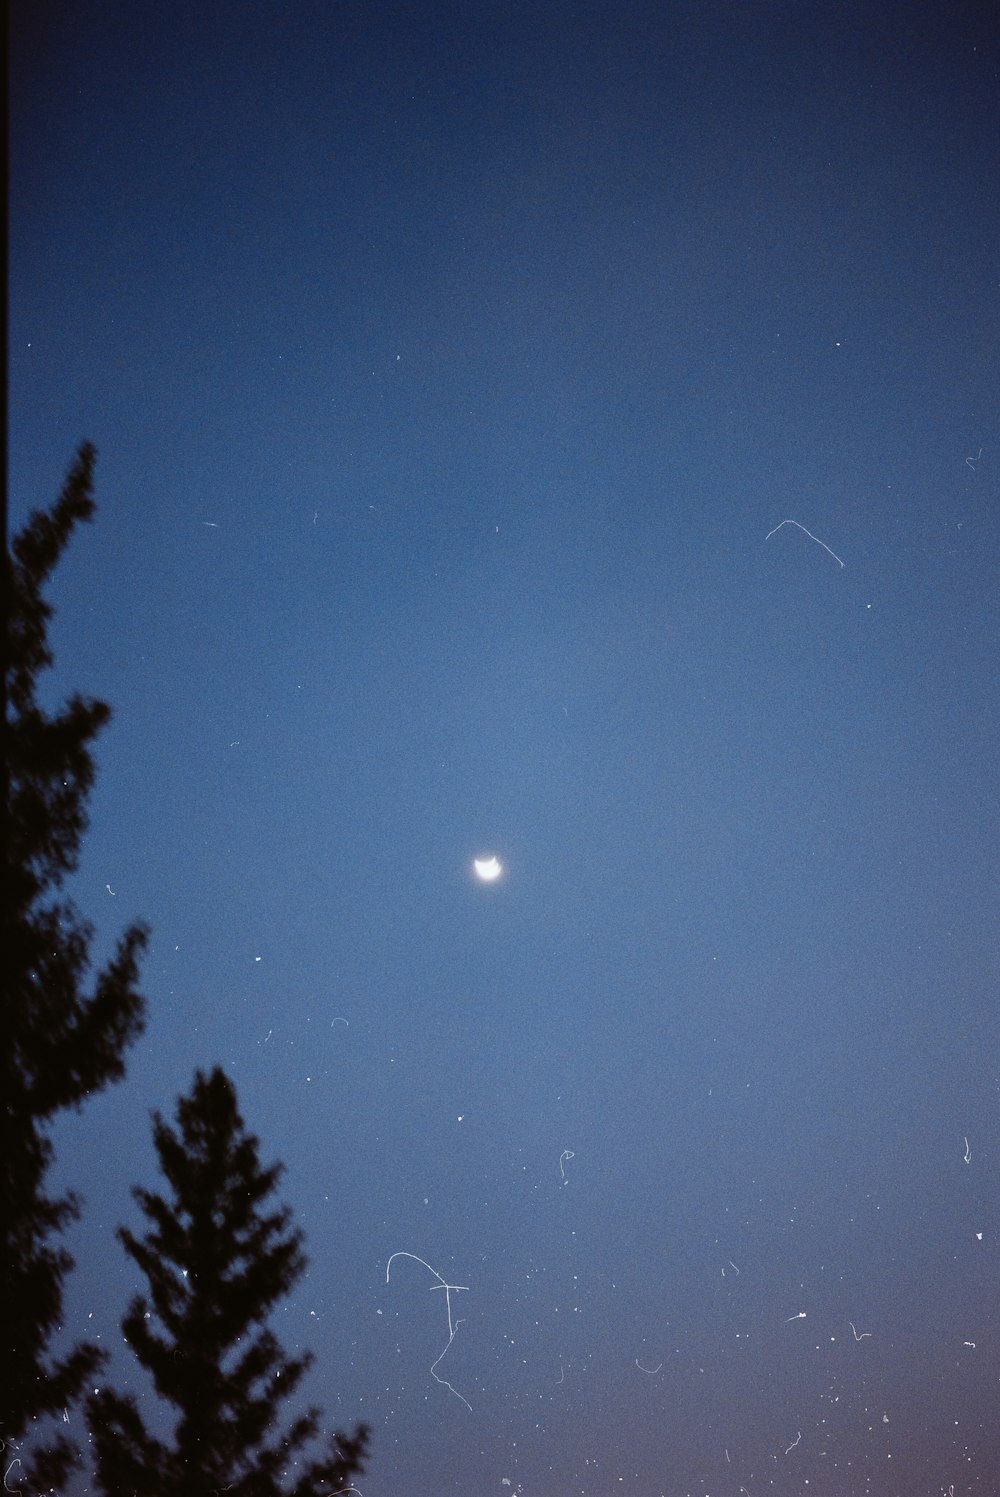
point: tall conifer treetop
(216, 1260)
(61, 1042)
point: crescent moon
(488, 869)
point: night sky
(454, 370)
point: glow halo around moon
(488, 869)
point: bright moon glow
(488, 869)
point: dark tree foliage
(61, 1042)
(216, 1259)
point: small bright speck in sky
(488, 869)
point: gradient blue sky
(451, 366)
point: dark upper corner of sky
(293, 78)
(306, 162)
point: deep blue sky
(450, 365)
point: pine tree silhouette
(216, 1260)
(61, 1044)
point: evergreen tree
(61, 1043)
(216, 1260)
